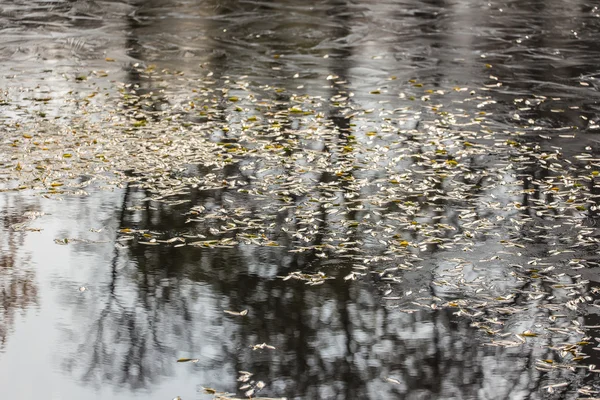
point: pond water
(305, 200)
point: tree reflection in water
(332, 341)
(18, 289)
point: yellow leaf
(529, 334)
(183, 360)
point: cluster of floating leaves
(437, 184)
(310, 279)
(247, 385)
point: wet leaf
(236, 313)
(529, 334)
(186, 360)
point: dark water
(105, 315)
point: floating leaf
(185, 360)
(529, 334)
(241, 313)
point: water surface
(402, 195)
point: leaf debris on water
(186, 360)
(240, 313)
(433, 182)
